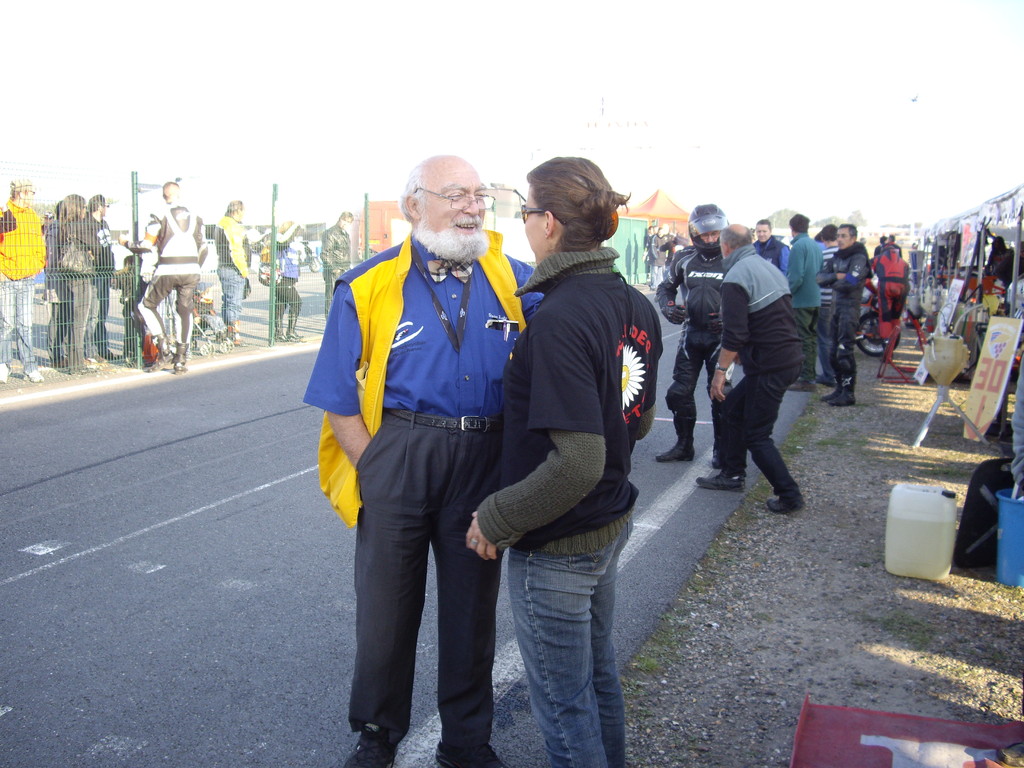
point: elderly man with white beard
(409, 376)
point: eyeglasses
(525, 212)
(460, 201)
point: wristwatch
(720, 368)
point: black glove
(714, 322)
(674, 313)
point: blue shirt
(425, 373)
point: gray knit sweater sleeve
(571, 470)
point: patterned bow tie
(439, 269)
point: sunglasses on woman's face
(525, 212)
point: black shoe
(722, 482)
(373, 750)
(472, 757)
(781, 507)
(831, 395)
(156, 365)
(843, 399)
(180, 368)
(681, 451)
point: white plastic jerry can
(920, 531)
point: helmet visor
(708, 222)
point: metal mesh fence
(67, 323)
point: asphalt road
(176, 591)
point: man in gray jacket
(759, 331)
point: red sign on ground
(844, 737)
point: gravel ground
(783, 606)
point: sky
(905, 111)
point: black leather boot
(845, 397)
(683, 449)
(835, 392)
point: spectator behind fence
(22, 257)
(290, 253)
(177, 234)
(337, 255)
(232, 266)
(433, 395)
(76, 237)
(97, 345)
(59, 328)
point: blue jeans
(232, 286)
(564, 607)
(16, 320)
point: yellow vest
(377, 294)
(235, 232)
(23, 251)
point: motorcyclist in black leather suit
(696, 274)
(846, 272)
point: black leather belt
(462, 423)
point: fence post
(272, 304)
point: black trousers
(420, 486)
(845, 319)
(698, 350)
(749, 412)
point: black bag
(975, 545)
(76, 258)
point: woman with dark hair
(76, 288)
(579, 392)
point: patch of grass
(831, 442)
(646, 663)
(915, 632)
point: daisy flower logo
(633, 375)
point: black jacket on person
(698, 279)
(852, 262)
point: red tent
(658, 206)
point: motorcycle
(869, 340)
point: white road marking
(155, 526)
(5, 710)
(45, 547)
(417, 748)
(145, 567)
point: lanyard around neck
(457, 334)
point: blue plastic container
(1010, 551)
